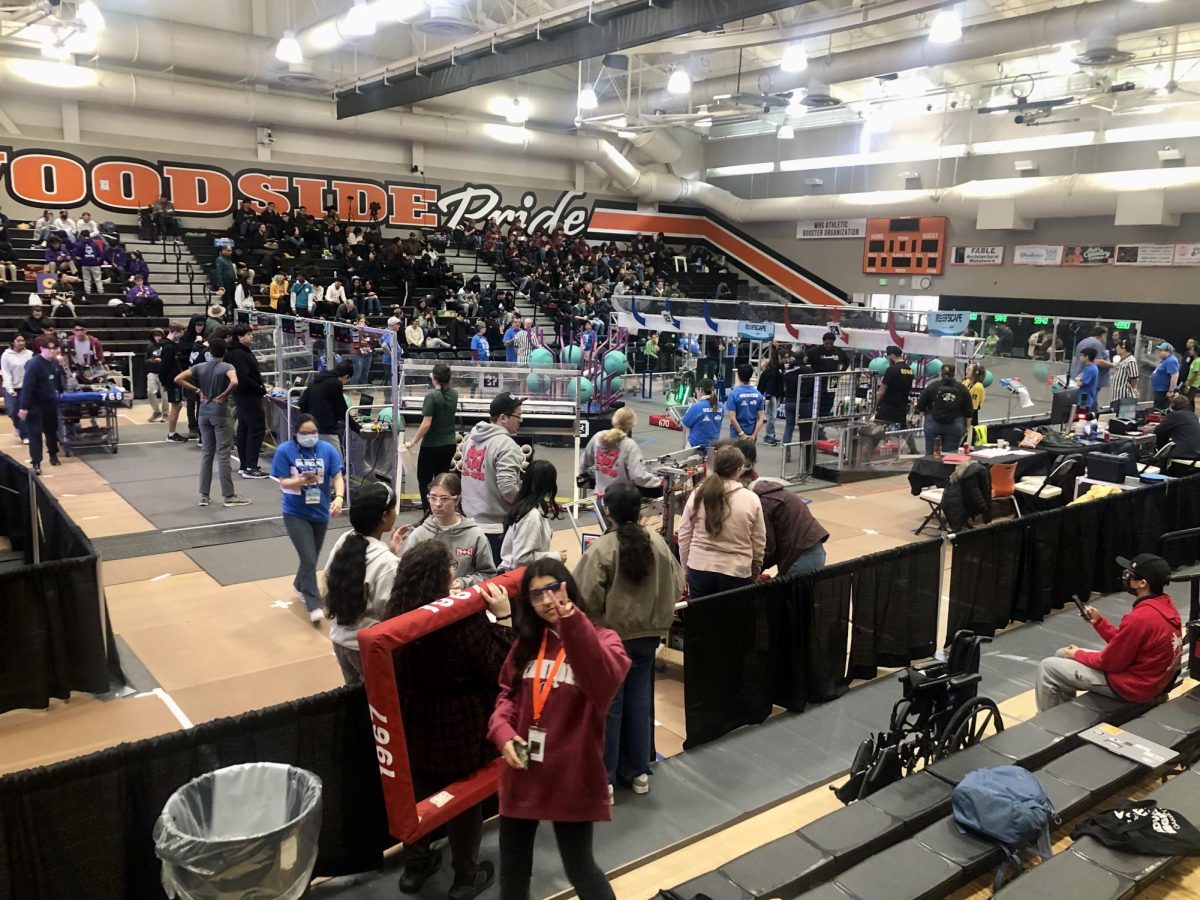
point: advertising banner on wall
(1145, 255)
(756, 331)
(1038, 255)
(947, 323)
(808, 229)
(1187, 254)
(1089, 255)
(977, 256)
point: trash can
(247, 831)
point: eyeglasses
(442, 498)
(538, 594)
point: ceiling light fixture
(91, 16)
(794, 59)
(517, 114)
(1158, 78)
(785, 133)
(359, 21)
(946, 27)
(588, 99)
(288, 49)
(679, 82)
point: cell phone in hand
(522, 753)
(1081, 606)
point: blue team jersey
(510, 350)
(589, 340)
(479, 344)
(1089, 379)
(703, 423)
(1160, 380)
(745, 402)
(290, 460)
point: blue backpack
(1008, 806)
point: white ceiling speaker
(446, 19)
(1101, 50)
(818, 96)
(300, 74)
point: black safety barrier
(1023, 569)
(82, 828)
(55, 636)
(784, 642)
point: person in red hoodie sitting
(1141, 655)
(555, 689)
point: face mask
(308, 441)
(1127, 583)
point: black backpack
(1142, 827)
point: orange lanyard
(541, 691)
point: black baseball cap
(1148, 567)
(504, 404)
(828, 336)
(893, 350)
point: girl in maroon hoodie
(555, 690)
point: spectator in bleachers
(722, 534)
(136, 265)
(245, 219)
(224, 273)
(558, 773)
(369, 301)
(164, 217)
(243, 294)
(116, 262)
(64, 226)
(336, 292)
(447, 689)
(12, 373)
(460, 332)
(58, 256)
(43, 228)
(88, 254)
(35, 323)
(414, 335)
(279, 294)
(84, 352)
(630, 581)
(480, 351)
(1140, 656)
(8, 261)
(301, 293)
(345, 311)
(153, 361)
(360, 573)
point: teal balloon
(615, 362)
(541, 358)
(988, 378)
(586, 389)
(878, 365)
(535, 383)
(385, 415)
(571, 355)
(933, 368)
(1041, 371)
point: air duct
(1044, 29)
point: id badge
(312, 495)
(537, 744)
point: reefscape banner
(54, 179)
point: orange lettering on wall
(261, 189)
(355, 199)
(308, 194)
(412, 206)
(199, 192)
(45, 179)
(124, 184)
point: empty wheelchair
(939, 713)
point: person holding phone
(309, 472)
(555, 690)
(1141, 655)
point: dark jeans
(251, 426)
(307, 537)
(42, 421)
(192, 402)
(12, 403)
(495, 541)
(349, 662)
(951, 434)
(629, 736)
(574, 847)
(433, 461)
(701, 583)
(464, 831)
(1161, 401)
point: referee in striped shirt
(1125, 372)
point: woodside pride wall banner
(122, 184)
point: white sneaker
(640, 785)
(316, 617)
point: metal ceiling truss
(608, 31)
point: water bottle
(937, 447)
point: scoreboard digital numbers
(906, 246)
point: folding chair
(1004, 484)
(1047, 487)
(933, 496)
(1155, 464)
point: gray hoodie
(491, 475)
(377, 585)
(466, 541)
(610, 464)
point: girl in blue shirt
(309, 472)
(703, 418)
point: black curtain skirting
(895, 608)
(828, 609)
(82, 828)
(984, 575)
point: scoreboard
(905, 246)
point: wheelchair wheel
(971, 723)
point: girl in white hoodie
(527, 527)
(360, 573)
